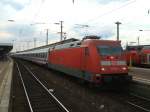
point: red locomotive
(93, 60)
(138, 55)
(145, 55)
(132, 55)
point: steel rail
(27, 96)
(46, 89)
(135, 78)
(146, 110)
(141, 97)
(138, 106)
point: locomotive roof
(97, 41)
(53, 44)
(72, 42)
(5, 48)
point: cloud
(12, 3)
(100, 15)
(4, 35)
(109, 1)
(19, 32)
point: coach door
(143, 59)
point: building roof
(6, 44)
(5, 48)
(137, 47)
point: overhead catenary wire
(90, 21)
(110, 12)
(39, 9)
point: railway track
(39, 98)
(136, 102)
(139, 102)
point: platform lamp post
(13, 41)
(138, 39)
(131, 62)
(11, 20)
(85, 26)
(61, 29)
(118, 23)
(46, 36)
(47, 30)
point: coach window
(71, 45)
(79, 43)
(43, 55)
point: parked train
(93, 60)
(138, 55)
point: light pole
(139, 36)
(118, 23)
(46, 36)
(85, 26)
(11, 20)
(61, 29)
(34, 42)
(46, 42)
(138, 39)
(13, 41)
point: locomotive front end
(112, 63)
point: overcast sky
(99, 15)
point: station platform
(6, 67)
(140, 74)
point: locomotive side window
(109, 50)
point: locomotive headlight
(103, 69)
(124, 68)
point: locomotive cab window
(109, 50)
